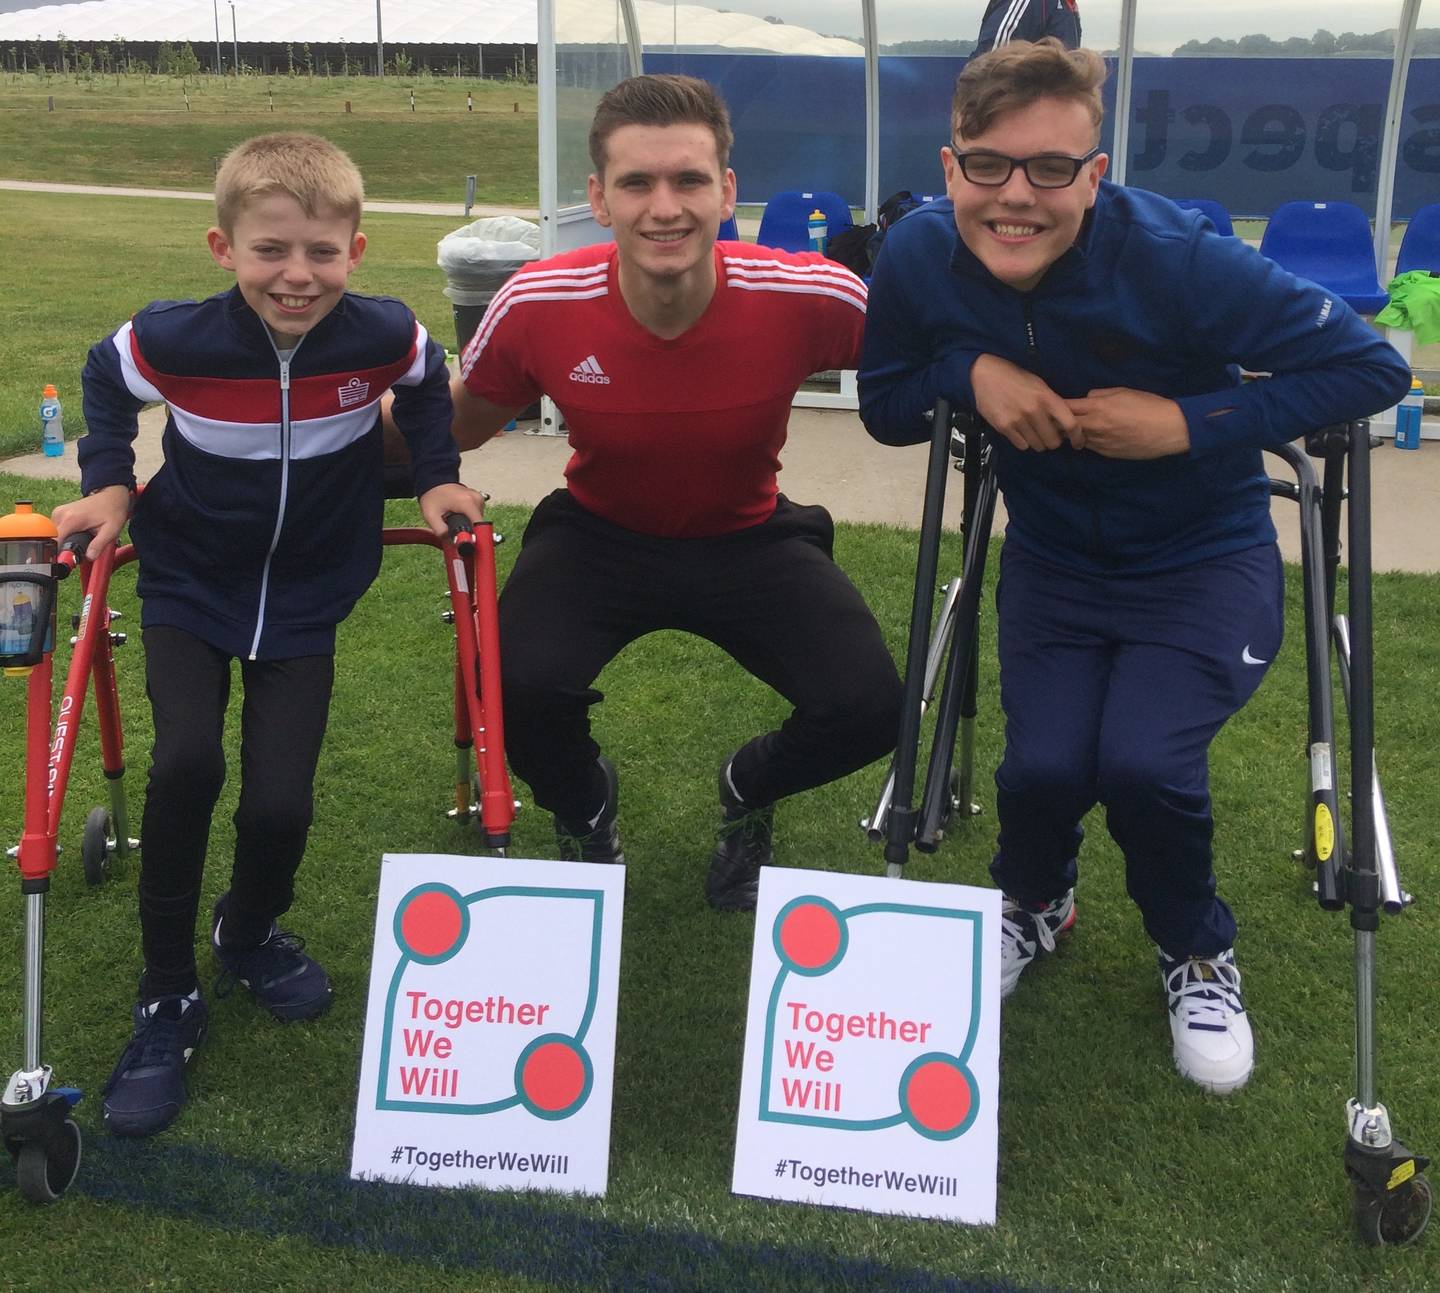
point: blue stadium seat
(729, 231)
(1420, 248)
(1219, 217)
(1330, 244)
(785, 223)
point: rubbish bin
(477, 259)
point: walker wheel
(1397, 1216)
(43, 1177)
(95, 846)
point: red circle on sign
(431, 924)
(938, 1096)
(554, 1077)
(810, 936)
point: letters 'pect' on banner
(871, 1076)
(489, 1053)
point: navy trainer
(146, 1091)
(278, 974)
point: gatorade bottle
(52, 427)
(818, 231)
(1407, 417)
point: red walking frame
(35, 1122)
(469, 555)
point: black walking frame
(1391, 1196)
(35, 1122)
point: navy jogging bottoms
(1113, 687)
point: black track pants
(771, 596)
(282, 722)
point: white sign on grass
(490, 1036)
(871, 1074)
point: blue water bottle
(818, 231)
(1407, 417)
(52, 427)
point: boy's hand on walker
(1117, 422)
(1019, 405)
(439, 502)
(105, 511)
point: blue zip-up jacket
(1150, 297)
(262, 528)
(1007, 20)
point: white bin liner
(478, 258)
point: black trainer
(746, 843)
(289, 984)
(596, 840)
(146, 1091)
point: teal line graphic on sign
(936, 1094)
(552, 1075)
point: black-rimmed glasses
(1044, 171)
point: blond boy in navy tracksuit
(255, 539)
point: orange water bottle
(28, 548)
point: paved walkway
(830, 459)
(401, 208)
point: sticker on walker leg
(489, 1053)
(872, 1046)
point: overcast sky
(1160, 25)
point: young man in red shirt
(674, 360)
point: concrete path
(830, 459)
(400, 208)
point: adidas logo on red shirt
(588, 370)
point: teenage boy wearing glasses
(1097, 330)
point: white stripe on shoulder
(579, 280)
(794, 266)
(137, 385)
(531, 289)
(771, 276)
(1006, 31)
(806, 289)
(836, 285)
(557, 283)
(415, 374)
(826, 271)
(582, 275)
(806, 269)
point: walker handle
(460, 528)
(72, 550)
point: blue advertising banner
(1253, 133)
(799, 119)
(1249, 133)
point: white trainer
(1214, 1047)
(1024, 934)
